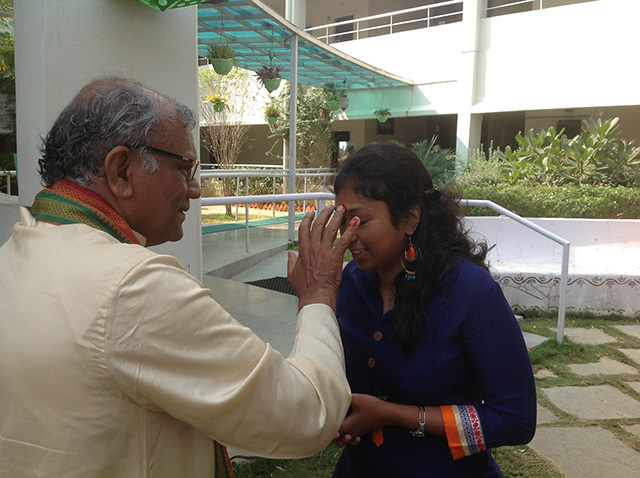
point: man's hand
(367, 414)
(315, 273)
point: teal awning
(255, 32)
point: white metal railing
(245, 174)
(512, 7)
(564, 270)
(269, 198)
(8, 175)
(389, 22)
(323, 197)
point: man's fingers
(331, 229)
(292, 258)
(347, 236)
(305, 228)
(318, 228)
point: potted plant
(269, 76)
(217, 100)
(333, 98)
(382, 114)
(221, 56)
(272, 113)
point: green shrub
(594, 157)
(480, 170)
(593, 202)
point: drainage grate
(279, 284)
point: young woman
(435, 358)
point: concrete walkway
(611, 412)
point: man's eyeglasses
(191, 173)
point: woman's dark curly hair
(107, 113)
(394, 175)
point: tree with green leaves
(315, 144)
(223, 133)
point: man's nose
(194, 190)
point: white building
(482, 70)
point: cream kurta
(115, 362)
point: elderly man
(114, 361)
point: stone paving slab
(634, 385)
(595, 402)
(544, 415)
(633, 330)
(545, 373)
(633, 354)
(605, 366)
(532, 339)
(592, 336)
(586, 452)
(635, 429)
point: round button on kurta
(371, 362)
(377, 336)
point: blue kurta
(472, 356)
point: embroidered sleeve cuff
(463, 429)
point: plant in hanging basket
(272, 113)
(222, 57)
(332, 96)
(217, 100)
(382, 114)
(269, 76)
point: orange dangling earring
(410, 256)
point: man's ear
(119, 166)
(412, 220)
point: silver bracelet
(422, 419)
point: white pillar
(469, 126)
(296, 12)
(63, 45)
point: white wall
(597, 245)
(62, 45)
(566, 57)
(573, 56)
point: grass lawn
(515, 461)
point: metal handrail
(564, 270)
(272, 198)
(323, 197)
(390, 25)
(304, 173)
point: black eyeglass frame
(194, 162)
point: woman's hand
(315, 273)
(368, 413)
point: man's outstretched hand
(315, 273)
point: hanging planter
(382, 114)
(269, 76)
(222, 66)
(272, 113)
(332, 97)
(221, 56)
(333, 105)
(217, 100)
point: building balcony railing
(424, 16)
